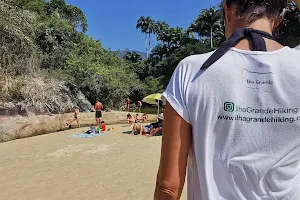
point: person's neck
(261, 25)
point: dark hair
(251, 10)
(102, 122)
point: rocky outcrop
(11, 109)
(44, 96)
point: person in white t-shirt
(232, 117)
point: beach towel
(84, 135)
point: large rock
(11, 109)
(73, 98)
(83, 103)
(42, 95)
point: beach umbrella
(153, 99)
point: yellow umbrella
(153, 99)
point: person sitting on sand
(138, 119)
(141, 129)
(145, 117)
(76, 117)
(130, 119)
(149, 130)
(103, 126)
(156, 128)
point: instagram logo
(229, 106)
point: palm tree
(160, 28)
(146, 24)
(177, 35)
(208, 23)
(211, 18)
(150, 30)
(198, 26)
(141, 24)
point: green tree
(132, 57)
(208, 23)
(72, 14)
(161, 51)
(17, 32)
(32, 5)
(100, 74)
(160, 28)
(146, 24)
(57, 40)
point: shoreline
(18, 127)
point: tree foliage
(132, 57)
(39, 37)
(46, 39)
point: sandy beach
(58, 166)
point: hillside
(49, 64)
(122, 53)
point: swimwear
(147, 128)
(98, 114)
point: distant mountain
(122, 53)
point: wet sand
(57, 166)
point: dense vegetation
(47, 60)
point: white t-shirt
(245, 115)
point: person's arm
(176, 141)
(154, 132)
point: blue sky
(113, 22)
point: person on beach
(130, 119)
(127, 104)
(232, 115)
(93, 109)
(139, 107)
(145, 117)
(149, 130)
(103, 126)
(140, 129)
(75, 117)
(138, 119)
(98, 114)
(156, 128)
(159, 123)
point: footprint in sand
(103, 148)
(83, 148)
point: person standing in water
(98, 115)
(232, 118)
